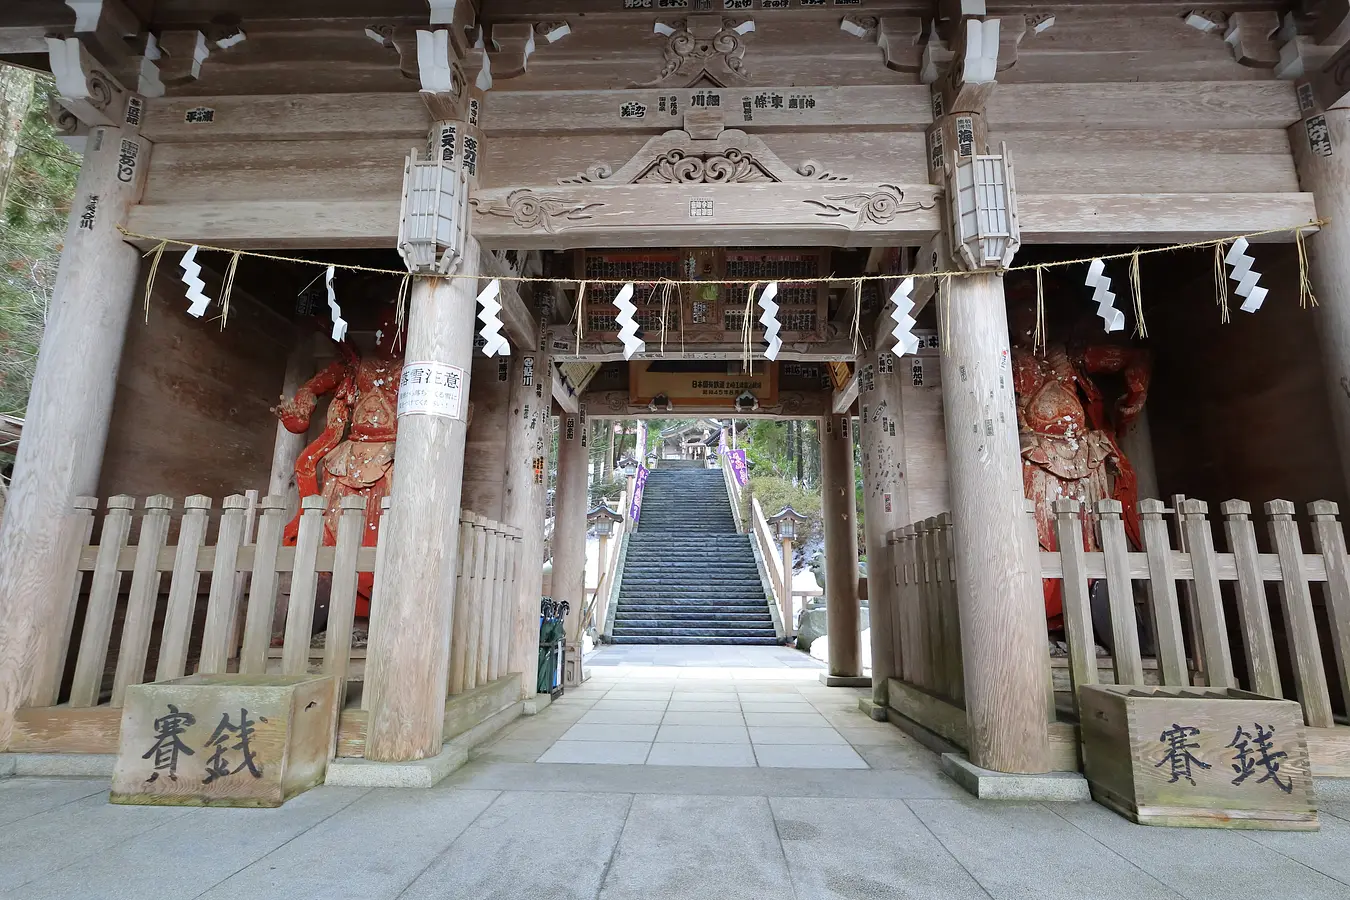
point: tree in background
(37, 182)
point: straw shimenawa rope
(824, 279)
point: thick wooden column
(1328, 177)
(410, 643)
(527, 450)
(569, 534)
(70, 407)
(839, 511)
(885, 498)
(1003, 638)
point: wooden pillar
(1003, 635)
(786, 596)
(410, 644)
(288, 447)
(69, 409)
(1328, 177)
(839, 511)
(527, 449)
(885, 497)
(569, 534)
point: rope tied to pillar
(158, 252)
(1140, 329)
(945, 312)
(1221, 283)
(1306, 298)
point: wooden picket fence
(926, 626)
(1179, 573)
(486, 602)
(246, 572)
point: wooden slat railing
(485, 602)
(927, 634)
(235, 631)
(768, 549)
(927, 625)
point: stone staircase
(689, 578)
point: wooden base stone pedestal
(1200, 757)
(225, 740)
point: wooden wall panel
(485, 444)
(191, 414)
(1240, 410)
(1054, 162)
(277, 170)
(925, 443)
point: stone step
(693, 615)
(768, 641)
(659, 607)
(694, 632)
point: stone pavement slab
(728, 848)
(24, 797)
(866, 849)
(541, 846)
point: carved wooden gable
(677, 157)
(705, 185)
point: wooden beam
(518, 320)
(842, 400)
(568, 402)
(1045, 218)
(1158, 218)
(565, 350)
(618, 404)
(290, 117)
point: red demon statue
(361, 461)
(1069, 443)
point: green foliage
(37, 200)
(775, 492)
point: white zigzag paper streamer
(192, 278)
(492, 324)
(905, 339)
(769, 319)
(627, 324)
(1253, 295)
(339, 323)
(1100, 283)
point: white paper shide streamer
(192, 278)
(496, 344)
(769, 319)
(627, 324)
(905, 339)
(1100, 283)
(1252, 294)
(339, 323)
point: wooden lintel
(565, 350)
(291, 117)
(619, 405)
(1045, 218)
(842, 400)
(833, 214)
(567, 402)
(519, 321)
(1161, 106)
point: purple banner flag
(738, 468)
(639, 483)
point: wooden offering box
(1202, 757)
(225, 740)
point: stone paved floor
(505, 826)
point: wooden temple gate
(1196, 642)
(849, 126)
(117, 631)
